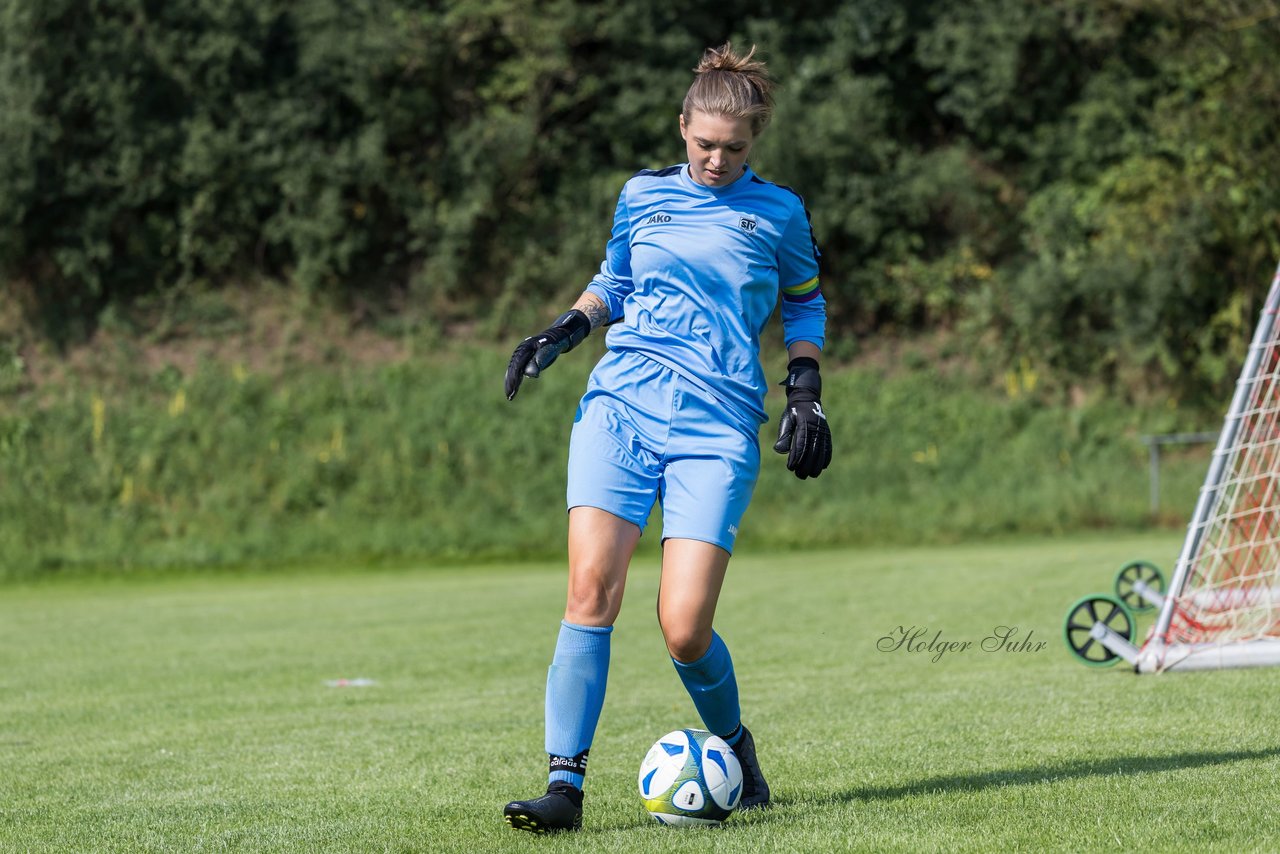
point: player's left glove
(803, 434)
(536, 353)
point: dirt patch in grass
(263, 329)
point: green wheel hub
(1131, 573)
(1081, 617)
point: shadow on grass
(1121, 766)
(731, 825)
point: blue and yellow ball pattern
(690, 777)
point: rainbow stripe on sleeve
(802, 292)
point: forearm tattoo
(595, 310)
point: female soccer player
(698, 256)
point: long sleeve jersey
(695, 272)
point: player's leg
(613, 481)
(692, 576)
(600, 549)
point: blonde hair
(731, 85)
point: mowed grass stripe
(194, 714)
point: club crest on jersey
(658, 219)
(747, 224)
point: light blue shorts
(644, 433)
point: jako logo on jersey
(658, 219)
(747, 224)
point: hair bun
(731, 85)
(724, 58)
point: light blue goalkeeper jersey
(694, 273)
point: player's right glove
(536, 353)
(803, 434)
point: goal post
(1223, 604)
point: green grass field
(193, 714)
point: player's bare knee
(686, 643)
(589, 604)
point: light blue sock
(575, 694)
(713, 688)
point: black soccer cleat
(755, 791)
(559, 809)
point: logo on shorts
(733, 529)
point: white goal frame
(1167, 647)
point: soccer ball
(690, 777)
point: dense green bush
(1092, 185)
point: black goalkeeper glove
(803, 434)
(536, 353)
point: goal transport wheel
(1140, 585)
(1091, 619)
